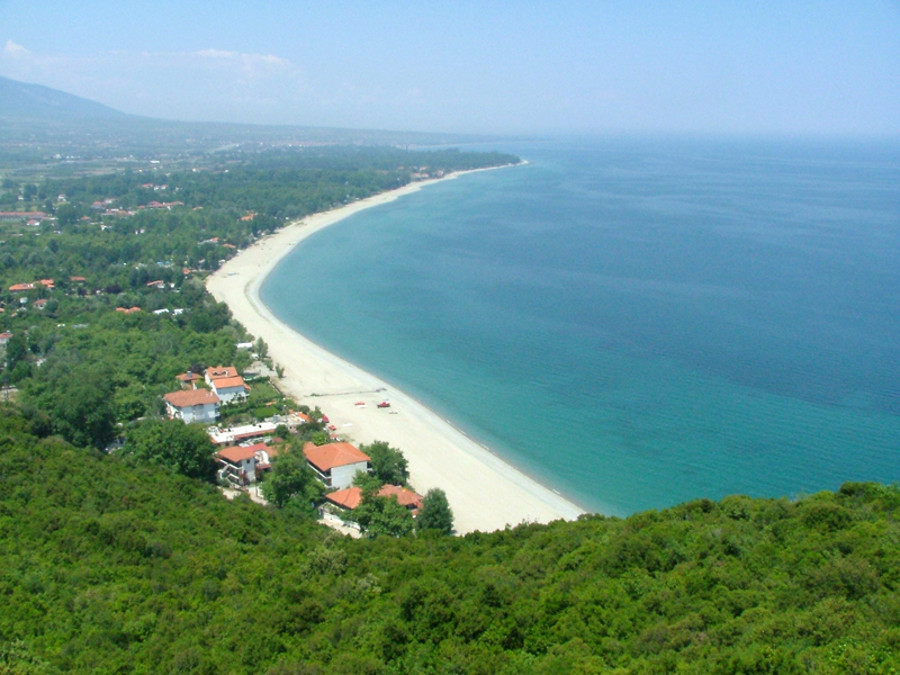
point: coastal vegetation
(130, 560)
(109, 566)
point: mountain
(44, 131)
(23, 101)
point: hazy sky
(507, 67)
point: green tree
(293, 485)
(388, 463)
(183, 448)
(78, 401)
(435, 513)
(16, 350)
(383, 516)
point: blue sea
(636, 322)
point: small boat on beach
(384, 404)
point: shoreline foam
(485, 492)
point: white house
(192, 405)
(226, 383)
(229, 388)
(336, 463)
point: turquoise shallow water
(636, 323)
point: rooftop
(326, 457)
(186, 397)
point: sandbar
(485, 492)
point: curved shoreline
(485, 492)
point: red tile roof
(404, 497)
(236, 453)
(227, 382)
(348, 498)
(351, 497)
(326, 457)
(221, 371)
(186, 397)
(21, 287)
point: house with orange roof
(188, 380)
(47, 283)
(211, 374)
(5, 337)
(239, 463)
(335, 464)
(192, 405)
(226, 383)
(230, 388)
(351, 497)
(21, 288)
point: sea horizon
(633, 323)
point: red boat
(384, 404)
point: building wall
(229, 393)
(199, 413)
(342, 476)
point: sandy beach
(485, 492)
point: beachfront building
(226, 383)
(242, 433)
(351, 497)
(229, 389)
(243, 464)
(192, 405)
(336, 464)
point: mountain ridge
(36, 101)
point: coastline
(485, 492)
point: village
(245, 452)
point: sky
(499, 67)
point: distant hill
(23, 101)
(44, 131)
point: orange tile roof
(236, 453)
(348, 498)
(186, 397)
(227, 382)
(404, 497)
(221, 371)
(21, 287)
(330, 455)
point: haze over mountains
(22, 101)
(39, 124)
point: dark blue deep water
(636, 323)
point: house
(351, 497)
(408, 499)
(218, 372)
(229, 388)
(335, 464)
(5, 337)
(348, 498)
(158, 284)
(242, 433)
(226, 383)
(21, 288)
(188, 380)
(192, 405)
(239, 463)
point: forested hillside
(108, 568)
